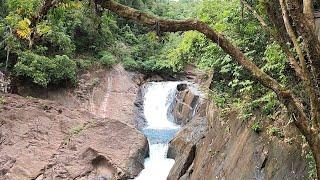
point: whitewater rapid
(159, 130)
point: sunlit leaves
(43, 28)
(24, 8)
(12, 20)
(275, 62)
(43, 70)
(71, 5)
(23, 29)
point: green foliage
(274, 131)
(220, 99)
(60, 42)
(44, 70)
(2, 100)
(76, 27)
(84, 64)
(130, 64)
(312, 171)
(107, 59)
(268, 103)
(275, 62)
(256, 127)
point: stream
(160, 129)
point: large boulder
(190, 134)
(183, 147)
(44, 140)
(185, 104)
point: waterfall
(159, 130)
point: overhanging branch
(168, 25)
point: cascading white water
(160, 129)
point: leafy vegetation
(42, 69)
(256, 127)
(107, 59)
(73, 35)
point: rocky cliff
(215, 145)
(87, 132)
(106, 93)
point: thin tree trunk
(308, 11)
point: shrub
(44, 70)
(256, 127)
(312, 171)
(274, 131)
(130, 64)
(84, 64)
(107, 59)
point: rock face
(139, 117)
(106, 93)
(41, 139)
(189, 111)
(115, 96)
(183, 147)
(215, 146)
(185, 105)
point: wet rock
(188, 111)
(190, 134)
(140, 119)
(183, 163)
(182, 87)
(185, 105)
(61, 143)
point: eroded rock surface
(106, 93)
(221, 146)
(231, 150)
(189, 111)
(43, 140)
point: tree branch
(306, 76)
(282, 43)
(167, 25)
(292, 35)
(306, 28)
(43, 11)
(255, 14)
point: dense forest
(49, 42)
